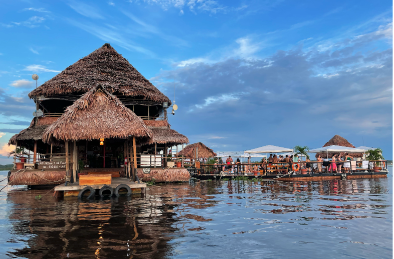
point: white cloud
(22, 83)
(2, 134)
(39, 68)
(32, 22)
(210, 6)
(86, 10)
(111, 3)
(6, 149)
(41, 10)
(34, 51)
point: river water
(207, 219)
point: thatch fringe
(103, 66)
(165, 135)
(203, 151)
(97, 114)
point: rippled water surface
(207, 219)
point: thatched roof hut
(97, 114)
(339, 141)
(103, 66)
(203, 151)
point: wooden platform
(72, 189)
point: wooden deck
(73, 189)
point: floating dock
(73, 189)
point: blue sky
(245, 73)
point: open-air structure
(98, 115)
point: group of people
(335, 165)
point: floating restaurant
(98, 117)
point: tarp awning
(269, 149)
(336, 149)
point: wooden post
(128, 158)
(16, 146)
(148, 112)
(67, 162)
(155, 153)
(35, 152)
(104, 155)
(50, 157)
(75, 162)
(183, 146)
(135, 158)
(165, 155)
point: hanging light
(101, 141)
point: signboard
(52, 165)
(38, 113)
(146, 170)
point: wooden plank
(95, 179)
(62, 187)
(114, 174)
(71, 193)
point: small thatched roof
(97, 114)
(34, 131)
(339, 141)
(104, 66)
(190, 151)
(165, 135)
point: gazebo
(97, 115)
(339, 141)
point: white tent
(269, 149)
(336, 149)
(366, 148)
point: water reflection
(200, 219)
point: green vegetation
(375, 154)
(302, 150)
(6, 167)
(151, 182)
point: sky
(243, 73)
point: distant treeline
(6, 167)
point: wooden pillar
(128, 158)
(165, 155)
(16, 146)
(35, 152)
(67, 162)
(183, 146)
(75, 161)
(135, 158)
(155, 153)
(104, 155)
(50, 157)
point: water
(227, 219)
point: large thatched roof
(339, 141)
(203, 151)
(97, 114)
(104, 66)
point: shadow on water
(221, 219)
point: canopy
(366, 148)
(237, 154)
(269, 149)
(292, 154)
(336, 149)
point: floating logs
(37, 177)
(163, 175)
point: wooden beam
(35, 152)
(50, 158)
(67, 162)
(155, 153)
(75, 161)
(135, 153)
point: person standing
(319, 163)
(229, 161)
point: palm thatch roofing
(34, 131)
(203, 151)
(97, 114)
(165, 135)
(104, 66)
(339, 141)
